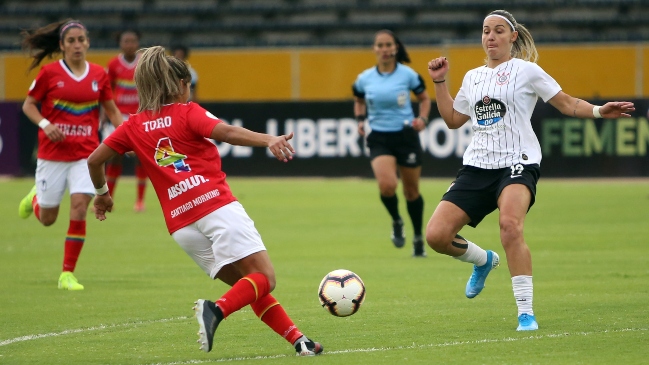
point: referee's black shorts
(404, 145)
(476, 190)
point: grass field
(591, 273)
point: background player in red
(121, 69)
(169, 135)
(69, 92)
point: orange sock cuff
(259, 282)
(263, 305)
(244, 292)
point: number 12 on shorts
(517, 170)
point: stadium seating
(241, 23)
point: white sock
(523, 290)
(301, 339)
(474, 254)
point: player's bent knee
(436, 240)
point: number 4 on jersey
(165, 156)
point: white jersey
(500, 102)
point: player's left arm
(579, 108)
(234, 135)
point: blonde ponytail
(157, 78)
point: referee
(382, 97)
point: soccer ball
(341, 292)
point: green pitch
(591, 274)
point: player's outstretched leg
(476, 282)
(209, 316)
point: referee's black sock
(416, 212)
(392, 205)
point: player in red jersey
(121, 69)
(169, 135)
(69, 92)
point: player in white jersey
(501, 165)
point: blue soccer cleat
(476, 282)
(527, 322)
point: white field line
(410, 347)
(88, 329)
(335, 352)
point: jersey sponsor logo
(75, 130)
(197, 201)
(166, 156)
(489, 111)
(503, 78)
(75, 108)
(183, 186)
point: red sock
(73, 244)
(272, 313)
(245, 291)
(113, 171)
(141, 182)
(37, 208)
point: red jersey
(72, 103)
(184, 167)
(121, 74)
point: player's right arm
(30, 108)
(278, 145)
(104, 202)
(437, 69)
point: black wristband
(439, 82)
(361, 118)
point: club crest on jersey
(489, 111)
(503, 78)
(402, 99)
(95, 86)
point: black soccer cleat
(398, 238)
(308, 348)
(209, 316)
(418, 247)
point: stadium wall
(327, 142)
(325, 74)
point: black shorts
(404, 145)
(476, 190)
